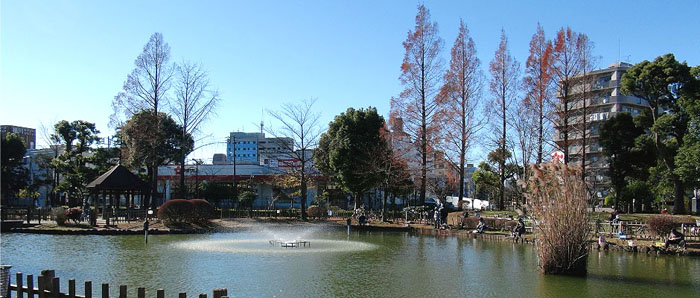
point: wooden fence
(639, 229)
(127, 215)
(24, 213)
(49, 286)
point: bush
(470, 222)
(185, 212)
(317, 211)
(609, 200)
(203, 211)
(59, 215)
(493, 224)
(510, 225)
(74, 214)
(661, 226)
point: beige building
(603, 101)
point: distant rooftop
(620, 64)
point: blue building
(255, 148)
(243, 147)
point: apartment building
(27, 134)
(601, 91)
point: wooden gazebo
(114, 183)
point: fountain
(275, 241)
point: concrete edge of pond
(104, 231)
(649, 250)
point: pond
(363, 264)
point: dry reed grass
(557, 199)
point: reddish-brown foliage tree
(420, 74)
(458, 103)
(503, 85)
(566, 65)
(537, 84)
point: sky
(66, 60)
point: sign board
(558, 156)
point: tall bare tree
(524, 122)
(299, 122)
(537, 85)
(458, 103)
(193, 103)
(146, 88)
(584, 49)
(566, 66)
(505, 71)
(420, 74)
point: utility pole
(235, 183)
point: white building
(246, 174)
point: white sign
(558, 156)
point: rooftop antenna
(619, 46)
(262, 123)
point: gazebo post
(104, 204)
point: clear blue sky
(68, 59)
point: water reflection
(395, 265)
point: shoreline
(248, 224)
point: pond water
(364, 264)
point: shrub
(203, 211)
(74, 214)
(59, 215)
(185, 211)
(661, 226)
(496, 224)
(470, 222)
(510, 225)
(317, 212)
(558, 199)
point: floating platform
(295, 243)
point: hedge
(186, 211)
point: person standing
(145, 230)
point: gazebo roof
(118, 178)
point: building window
(603, 82)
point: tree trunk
(303, 192)
(384, 205)
(678, 200)
(183, 190)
